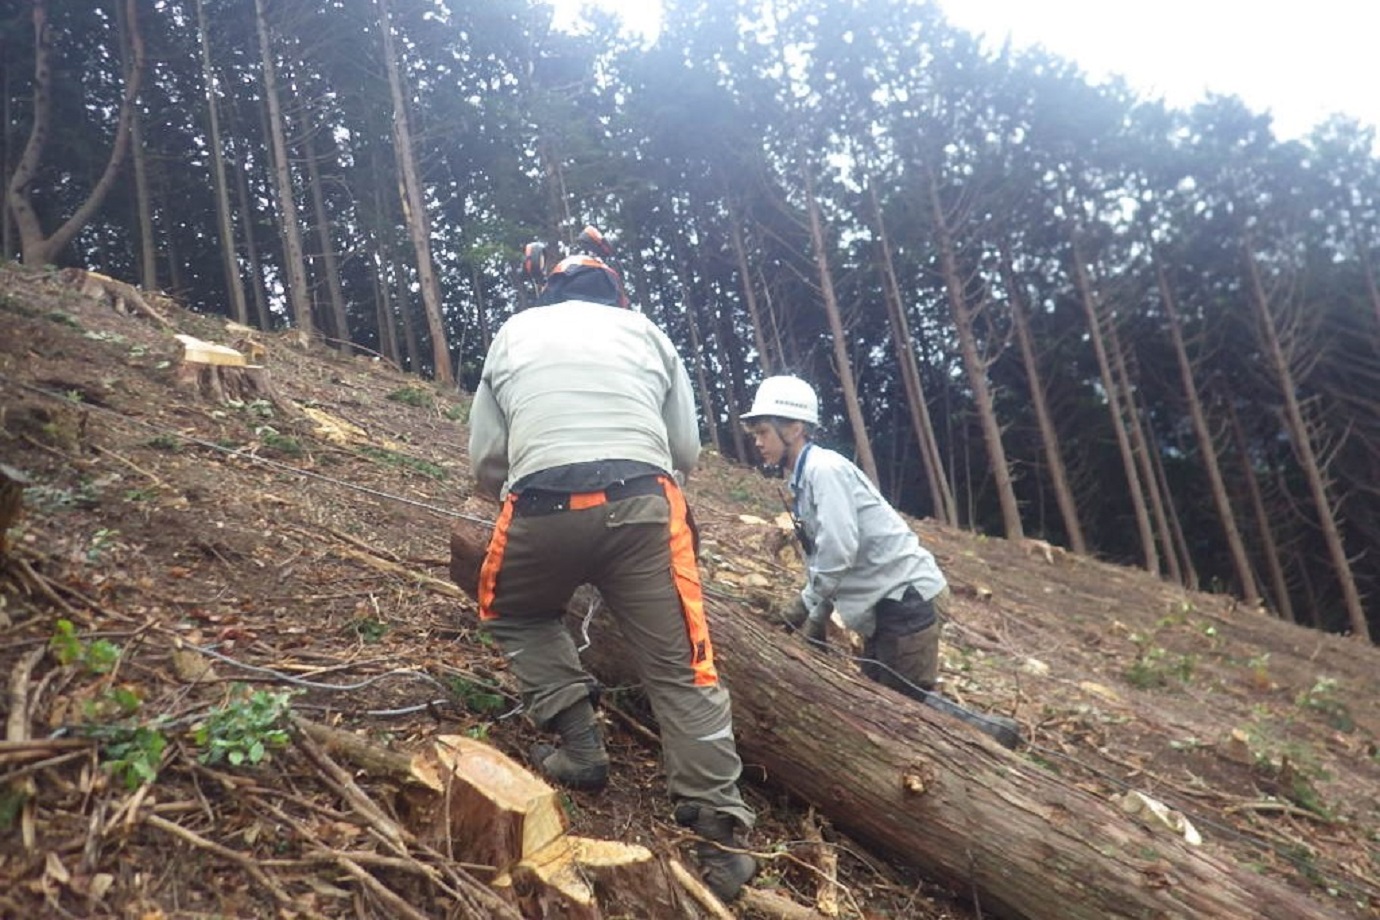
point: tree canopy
(1033, 305)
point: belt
(538, 502)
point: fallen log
(933, 793)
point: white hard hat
(785, 397)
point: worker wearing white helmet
(862, 560)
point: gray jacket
(575, 382)
(862, 550)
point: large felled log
(934, 793)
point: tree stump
(222, 374)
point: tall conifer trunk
(974, 365)
(1093, 313)
(225, 221)
(414, 205)
(1049, 435)
(843, 365)
(941, 496)
(1245, 578)
(1301, 439)
(294, 265)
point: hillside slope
(298, 544)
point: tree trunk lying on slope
(904, 780)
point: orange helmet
(576, 277)
(584, 278)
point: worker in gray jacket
(583, 415)
(862, 560)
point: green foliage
(1154, 667)
(1322, 698)
(101, 541)
(282, 443)
(12, 799)
(165, 442)
(411, 396)
(243, 729)
(477, 695)
(132, 754)
(369, 629)
(395, 459)
(63, 319)
(99, 657)
(50, 499)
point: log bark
(926, 791)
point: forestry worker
(583, 412)
(862, 560)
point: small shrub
(282, 443)
(369, 629)
(101, 541)
(50, 499)
(1322, 698)
(478, 696)
(460, 412)
(99, 657)
(132, 754)
(411, 396)
(393, 458)
(243, 730)
(63, 319)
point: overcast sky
(1300, 61)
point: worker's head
(783, 417)
(584, 278)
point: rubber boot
(581, 761)
(1006, 731)
(725, 872)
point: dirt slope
(301, 547)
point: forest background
(1035, 306)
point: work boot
(581, 761)
(725, 872)
(1006, 731)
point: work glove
(792, 613)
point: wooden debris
(372, 758)
(12, 484)
(495, 812)
(118, 295)
(578, 878)
(827, 861)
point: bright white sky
(1301, 61)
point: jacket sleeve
(836, 542)
(488, 438)
(678, 412)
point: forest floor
(174, 554)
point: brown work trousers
(638, 551)
(907, 661)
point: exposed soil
(291, 550)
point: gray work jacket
(861, 550)
(576, 382)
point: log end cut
(499, 812)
